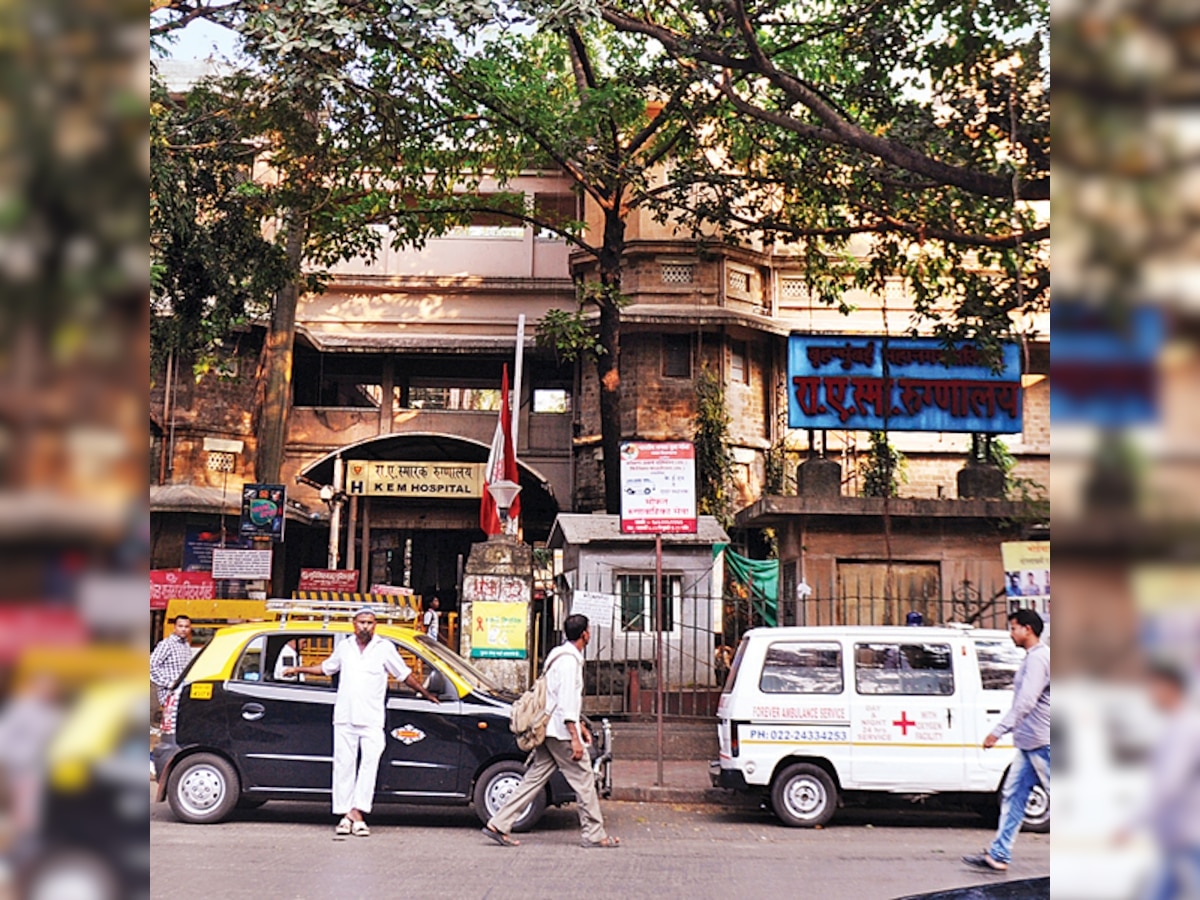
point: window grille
(793, 289)
(739, 282)
(677, 273)
(220, 462)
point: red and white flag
(501, 466)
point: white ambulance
(813, 715)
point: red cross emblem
(904, 722)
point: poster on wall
(1027, 575)
(263, 508)
(658, 487)
(498, 629)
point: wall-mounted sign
(175, 584)
(598, 607)
(263, 508)
(425, 480)
(1027, 575)
(244, 565)
(658, 487)
(328, 580)
(498, 629)
(838, 383)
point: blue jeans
(1178, 877)
(1028, 769)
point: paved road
(288, 850)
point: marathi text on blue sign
(839, 383)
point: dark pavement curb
(654, 794)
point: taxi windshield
(461, 667)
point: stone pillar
(819, 477)
(980, 481)
(499, 570)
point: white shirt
(432, 616)
(564, 690)
(363, 686)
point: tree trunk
(273, 395)
(608, 363)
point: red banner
(175, 584)
(23, 627)
(328, 580)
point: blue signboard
(1104, 366)
(839, 383)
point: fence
(701, 634)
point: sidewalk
(684, 781)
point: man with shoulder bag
(564, 747)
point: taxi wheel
(803, 796)
(496, 785)
(1037, 811)
(203, 789)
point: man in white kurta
(358, 716)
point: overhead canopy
(195, 498)
(537, 495)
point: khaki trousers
(555, 754)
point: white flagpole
(516, 406)
(519, 368)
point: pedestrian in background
(1173, 808)
(358, 716)
(565, 747)
(1029, 722)
(171, 657)
(433, 618)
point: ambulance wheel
(496, 785)
(1037, 811)
(803, 796)
(203, 789)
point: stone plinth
(499, 570)
(980, 481)
(817, 477)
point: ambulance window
(734, 666)
(802, 668)
(908, 669)
(998, 664)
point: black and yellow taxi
(238, 733)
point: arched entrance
(416, 542)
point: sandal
(609, 843)
(344, 826)
(502, 839)
(360, 829)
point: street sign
(658, 487)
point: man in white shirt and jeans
(358, 716)
(565, 747)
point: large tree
(447, 104)
(923, 124)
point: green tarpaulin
(762, 577)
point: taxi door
(907, 722)
(280, 729)
(423, 752)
